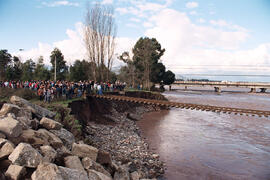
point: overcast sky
(200, 37)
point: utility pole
(55, 68)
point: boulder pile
(34, 146)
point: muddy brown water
(207, 145)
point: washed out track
(217, 109)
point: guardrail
(212, 83)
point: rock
(50, 124)
(134, 176)
(72, 174)
(15, 172)
(25, 155)
(121, 174)
(95, 175)
(83, 150)
(53, 140)
(90, 164)
(24, 113)
(2, 141)
(10, 127)
(24, 122)
(134, 117)
(35, 109)
(73, 162)
(2, 176)
(47, 171)
(9, 108)
(66, 137)
(104, 158)
(2, 135)
(49, 154)
(6, 148)
(30, 136)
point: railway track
(217, 109)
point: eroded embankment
(110, 126)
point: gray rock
(15, 172)
(2, 135)
(50, 124)
(6, 148)
(104, 158)
(83, 150)
(73, 162)
(47, 171)
(30, 136)
(66, 136)
(35, 109)
(25, 155)
(48, 153)
(10, 127)
(72, 174)
(52, 139)
(9, 108)
(134, 117)
(95, 175)
(121, 174)
(89, 164)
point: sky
(202, 38)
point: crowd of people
(49, 90)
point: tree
(157, 73)
(146, 53)
(129, 70)
(61, 68)
(99, 38)
(41, 72)
(5, 59)
(169, 77)
(28, 70)
(14, 69)
(77, 71)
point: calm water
(207, 145)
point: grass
(59, 106)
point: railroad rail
(217, 109)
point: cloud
(187, 43)
(225, 24)
(107, 2)
(191, 5)
(147, 24)
(135, 20)
(201, 20)
(72, 47)
(143, 9)
(60, 3)
(193, 12)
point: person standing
(99, 88)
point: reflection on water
(207, 145)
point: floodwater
(207, 145)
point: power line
(241, 75)
(257, 65)
(232, 68)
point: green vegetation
(60, 107)
(145, 66)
